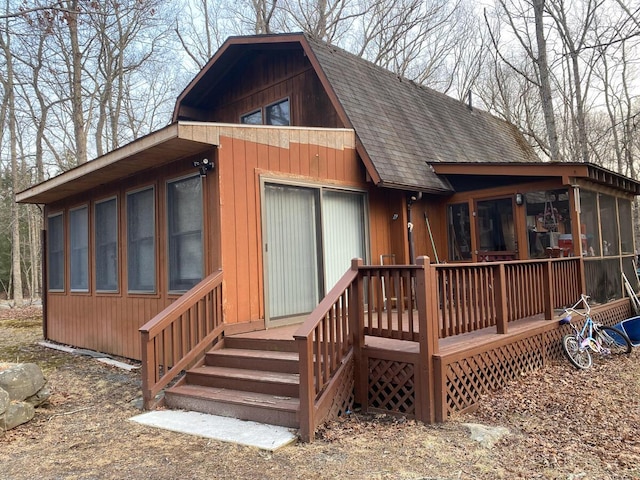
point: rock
(17, 414)
(39, 397)
(4, 400)
(21, 380)
(486, 436)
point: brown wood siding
(307, 157)
(263, 80)
(109, 322)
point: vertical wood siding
(316, 157)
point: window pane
(626, 226)
(278, 113)
(495, 224)
(459, 232)
(343, 230)
(141, 249)
(106, 242)
(548, 222)
(79, 243)
(609, 221)
(589, 221)
(184, 201)
(253, 118)
(55, 241)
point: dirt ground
(564, 424)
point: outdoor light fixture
(205, 165)
(519, 199)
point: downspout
(413, 198)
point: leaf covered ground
(563, 423)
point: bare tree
(8, 84)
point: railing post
(148, 372)
(307, 388)
(547, 282)
(428, 318)
(500, 298)
(356, 325)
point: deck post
(148, 370)
(547, 282)
(307, 388)
(428, 318)
(356, 325)
(500, 292)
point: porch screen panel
(609, 225)
(79, 246)
(141, 248)
(625, 221)
(106, 245)
(186, 257)
(343, 227)
(55, 244)
(589, 225)
(292, 249)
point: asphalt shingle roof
(404, 127)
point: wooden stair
(250, 379)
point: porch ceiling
(569, 172)
(178, 140)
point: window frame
(86, 262)
(62, 252)
(272, 104)
(169, 235)
(154, 236)
(117, 244)
(252, 112)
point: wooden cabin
(285, 159)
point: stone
(4, 400)
(40, 397)
(17, 414)
(486, 436)
(21, 380)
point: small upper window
(278, 113)
(253, 118)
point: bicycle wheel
(578, 356)
(616, 341)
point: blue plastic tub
(631, 326)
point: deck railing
(479, 295)
(389, 301)
(325, 347)
(179, 335)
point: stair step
(277, 345)
(258, 407)
(260, 381)
(276, 361)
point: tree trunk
(545, 84)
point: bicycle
(592, 337)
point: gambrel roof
(401, 127)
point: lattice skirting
(466, 379)
(392, 387)
(344, 398)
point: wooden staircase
(250, 379)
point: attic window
(253, 118)
(277, 113)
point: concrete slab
(101, 357)
(224, 429)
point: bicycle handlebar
(584, 299)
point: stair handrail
(323, 349)
(159, 367)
